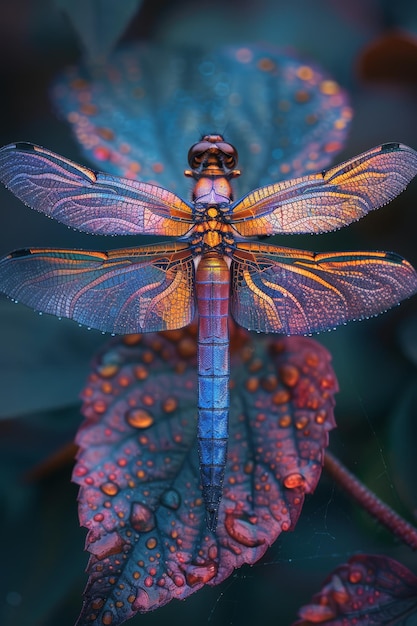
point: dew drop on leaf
(139, 418)
(141, 518)
(293, 480)
(110, 489)
(111, 543)
(140, 495)
(200, 573)
(171, 499)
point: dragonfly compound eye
(213, 144)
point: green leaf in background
(41, 549)
(99, 23)
(43, 360)
(402, 438)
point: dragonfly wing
(296, 292)
(328, 200)
(123, 291)
(90, 201)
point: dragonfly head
(212, 155)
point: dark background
(370, 48)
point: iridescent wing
(123, 291)
(87, 200)
(295, 292)
(333, 198)
(287, 117)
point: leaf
(140, 115)
(47, 358)
(402, 437)
(368, 589)
(99, 23)
(38, 521)
(138, 465)
(408, 338)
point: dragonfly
(215, 264)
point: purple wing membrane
(330, 199)
(297, 292)
(90, 201)
(122, 291)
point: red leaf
(366, 590)
(138, 465)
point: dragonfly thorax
(212, 235)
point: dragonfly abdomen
(212, 290)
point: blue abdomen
(212, 289)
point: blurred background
(370, 48)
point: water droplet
(148, 357)
(112, 543)
(285, 421)
(187, 347)
(293, 480)
(132, 340)
(281, 397)
(140, 372)
(289, 375)
(241, 529)
(197, 573)
(301, 422)
(80, 470)
(355, 577)
(151, 543)
(305, 73)
(249, 467)
(170, 405)
(141, 518)
(107, 618)
(99, 406)
(148, 582)
(255, 365)
(213, 552)
(312, 359)
(178, 580)
(339, 592)
(139, 418)
(171, 499)
(97, 603)
(110, 489)
(329, 87)
(142, 602)
(107, 370)
(252, 384)
(316, 613)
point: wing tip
(394, 146)
(19, 253)
(23, 146)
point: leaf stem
(370, 502)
